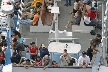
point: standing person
(90, 51)
(68, 2)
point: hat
(98, 35)
(92, 8)
(43, 45)
(14, 53)
(85, 1)
(32, 43)
(28, 60)
(83, 52)
(46, 57)
(65, 50)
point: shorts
(74, 11)
(72, 21)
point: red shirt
(1, 57)
(92, 14)
(33, 50)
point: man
(65, 58)
(33, 21)
(27, 64)
(16, 59)
(89, 22)
(88, 6)
(92, 13)
(46, 61)
(97, 40)
(90, 51)
(18, 47)
(68, 2)
(84, 60)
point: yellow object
(35, 1)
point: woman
(55, 64)
(38, 61)
(33, 50)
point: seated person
(91, 22)
(93, 14)
(38, 61)
(16, 59)
(4, 48)
(33, 50)
(55, 64)
(30, 15)
(27, 64)
(32, 22)
(76, 20)
(65, 58)
(3, 40)
(32, 5)
(43, 51)
(84, 60)
(46, 62)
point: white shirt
(82, 59)
(65, 60)
(87, 19)
(76, 6)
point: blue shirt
(93, 4)
(21, 40)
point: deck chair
(82, 28)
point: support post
(8, 52)
(104, 41)
(56, 22)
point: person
(89, 5)
(2, 57)
(65, 58)
(33, 21)
(93, 14)
(38, 61)
(97, 40)
(20, 39)
(95, 4)
(68, 2)
(46, 62)
(55, 64)
(89, 22)
(75, 20)
(31, 5)
(76, 7)
(43, 51)
(1, 66)
(33, 50)
(90, 51)
(84, 60)
(4, 48)
(16, 59)
(3, 40)
(27, 64)
(18, 47)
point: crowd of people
(40, 56)
(86, 9)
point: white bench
(82, 28)
(40, 27)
